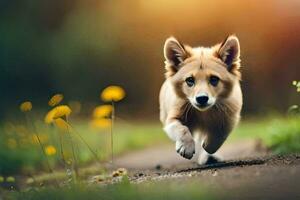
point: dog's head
(201, 75)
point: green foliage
(281, 135)
(27, 157)
(284, 136)
(148, 191)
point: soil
(247, 171)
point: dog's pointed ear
(229, 52)
(174, 52)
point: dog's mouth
(202, 107)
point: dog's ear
(229, 52)
(174, 52)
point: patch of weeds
(283, 136)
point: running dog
(201, 98)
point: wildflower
(57, 112)
(113, 93)
(10, 179)
(11, 143)
(26, 106)
(100, 123)
(1, 179)
(50, 150)
(56, 99)
(62, 124)
(102, 111)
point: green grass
(279, 134)
(123, 190)
(26, 156)
(282, 135)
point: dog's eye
(214, 80)
(190, 81)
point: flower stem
(28, 121)
(111, 132)
(88, 146)
(62, 150)
(73, 152)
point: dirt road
(247, 172)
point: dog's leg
(181, 134)
(213, 141)
(201, 156)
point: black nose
(202, 100)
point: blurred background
(78, 47)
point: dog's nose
(202, 99)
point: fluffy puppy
(201, 98)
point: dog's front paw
(186, 147)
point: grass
(20, 153)
(123, 190)
(282, 135)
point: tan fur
(178, 113)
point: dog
(201, 98)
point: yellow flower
(113, 93)
(295, 83)
(11, 143)
(56, 99)
(26, 106)
(1, 179)
(102, 111)
(50, 150)
(100, 123)
(57, 112)
(62, 124)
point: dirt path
(247, 171)
(166, 157)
